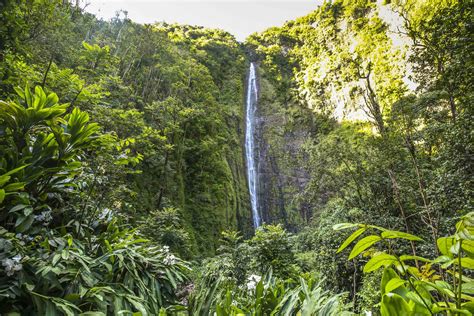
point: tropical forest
(323, 166)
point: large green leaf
(342, 226)
(393, 305)
(23, 223)
(445, 244)
(351, 238)
(398, 234)
(418, 300)
(388, 274)
(4, 179)
(468, 287)
(394, 284)
(416, 258)
(468, 247)
(379, 260)
(363, 244)
(467, 263)
(14, 186)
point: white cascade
(251, 108)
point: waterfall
(251, 108)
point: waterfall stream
(251, 107)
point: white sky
(239, 17)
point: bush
(269, 295)
(271, 249)
(56, 256)
(413, 284)
(166, 227)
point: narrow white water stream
(251, 108)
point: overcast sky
(239, 17)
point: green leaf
(15, 170)
(455, 248)
(4, 179)
(417, 299)
(363, 244)
(342, 226)
(447, 264)
(56, 259)
(28, 97)
(468, 246)
(15, 186)
(393, 304)
(440, 286)
(17, 208)
(27, 211)
(23, 223)
(468, 305)
(445, 244)
(2, 195)
(387, 275)
(66, 307)
(398, 234)
(467, 263)
(137, 305)
(468, 287)
(442, 259)
(393, 284)
(379, 260)
(51, 100)
(20, 92)
(351, 238)
(409, 257)
(443, 284)
(466, 233)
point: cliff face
(282, 132)
(215, 193)
(322, 67)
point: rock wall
(282, 131)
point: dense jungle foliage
(123, 183)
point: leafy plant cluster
(59, 256)
(260, 276)
(414, 284)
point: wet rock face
(281, 162)
(282, 178)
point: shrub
(414, 284)
(271, 249)
(58, 258)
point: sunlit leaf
(402, 235)
(394, 304)
(351, 238)
(342, 226)
(379, 260)
(445, 244)
(394, 284)
(363, 244)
